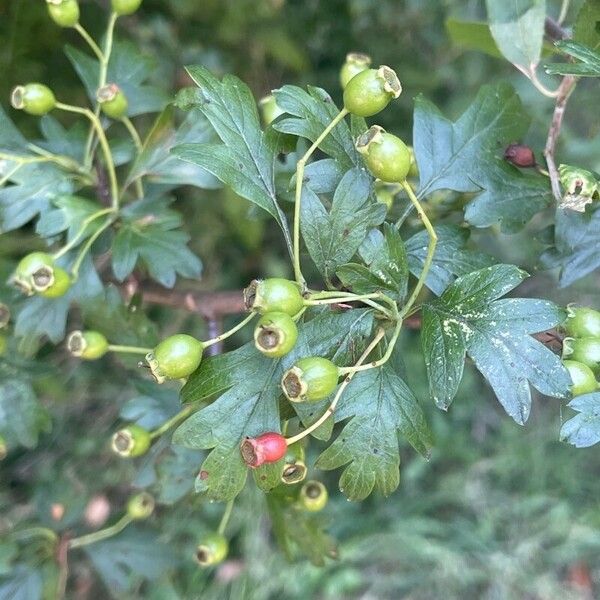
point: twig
(564, 91)
(553, 30)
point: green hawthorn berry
(275, 334)
(294, 469)
(113, 101)
(34, 273)
(176, 357)
(212, 550)
(386, 156)
(313, 496)
(3, 344)
(310, 379)
(4, 315)
(582, 322)
(371, 91)
(3, 448)
(88, 345)
(140, 506)
(59, 287)
(275, 294)
(356, 63)
(131, 441)
(34, 98)
(125, 7)
(64, 12)
(269, 109)
(583, 350)
(582, 377)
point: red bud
(520, 155)
(266, 448)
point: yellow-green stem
(430, 250)
(175, 420)
(128, 349)
(86, 248)
(90, 41)
(225, 518)
(331, 409)
(229, 333)
(298, 198)
(135, 136)
(102, 534)
(84, 226)
(32, 532)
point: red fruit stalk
(266, 448)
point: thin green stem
(366, 299)
(331, 409)
(564, 9)
(430, 250)
(129, 349)
(90, 41)
(84, 226)
(135, 136)
(86, 248)
(32, 532)
(108, 158)
(225, 518)
(102, 534)
(230, 332)
(298, 198)
(175, 420)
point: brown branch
(553, 30)
(564, 91)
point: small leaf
(23, 583)
(518, 29)
(587, 29)
(583, 430)
(469, 318)
(472, 35)
(588, 67)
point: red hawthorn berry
(266, 448)
(520, 155)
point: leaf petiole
(225, 518)
(175, 420)
(102, 534)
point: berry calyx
(140, 506)
(582, 377)
(112, 100)
(125, 7)
(64, 12)
(131, 441)
(269, 109)
(87, 345)
(59, 287)
(310, 379)
(583, 350)
(386, 155)
(212, 550)
(266, 448)
(35, 273)
(4, 315)
(520, 155)
(294, 469)
(34, 98)
(313, 496)
(582, 322)
(176, 357)
(371, 91)
(356, 63)
(275, 334)
(275, 294)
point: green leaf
(132, 556)
(310, 113)
(587, 24)
(577, 239)
(464, 156)
(151, 409)
(245, 159)
(11, 139)
(452, 258)
(22, 418)
(588, 67)
(69, 214)
(386, 267)
(469, 319)
(380, 408)
(333, 237)
(150, 233)
(129, 69)
(156, 162)
(472, 35)
(60, 140)
(175, 472)
(23, 583)
(583, 430)
(518, 29)
(249, 384)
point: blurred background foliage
(499, 512)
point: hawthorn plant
(382, 228)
